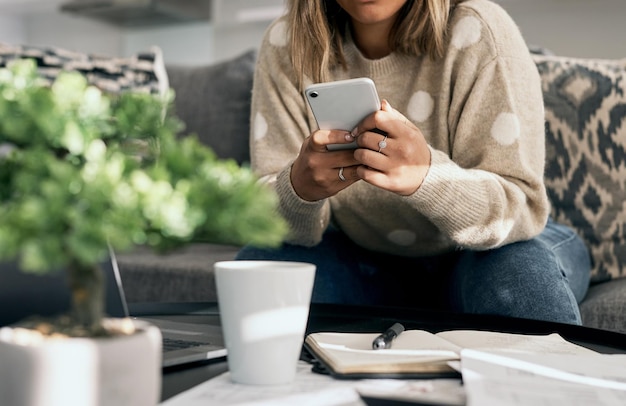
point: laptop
(24, 294)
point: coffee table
(326, 317)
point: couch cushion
(183, 275)
(585, 102)
(605, 306)
(214, 103)
(141, 72)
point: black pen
(384, 340)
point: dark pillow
(214, 103)
(142, 72)
(585, 102)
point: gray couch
(585, 174)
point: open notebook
(23, 295)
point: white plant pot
(118, 371)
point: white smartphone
(342, 104)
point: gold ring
(341, 177)
(382, 144)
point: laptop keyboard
(171, 344)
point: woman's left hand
(397, 162)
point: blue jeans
(544, 278)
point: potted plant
(82, 171)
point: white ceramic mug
(264, 308)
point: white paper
(521, 379)
(529, 343)
(308, 389)
(313, 389)
(531, 391)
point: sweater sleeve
(488, 190)
(279, 124)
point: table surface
(324, 317)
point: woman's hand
(318, 173)
(398, 162)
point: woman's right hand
(317, 172)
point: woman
(452, 212)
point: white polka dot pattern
(278, 35)
(260, 126)
(466, 32)
(506, 129)
(420, 106)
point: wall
(36, 23)
(188, 44)
(77, 34)
(580, 28)
(11, 30)
(195, 44)
(185, 44)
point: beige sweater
(480, 108)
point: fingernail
(349, 137)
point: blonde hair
(317, 29)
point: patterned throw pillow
(585, 102)
(143, 72)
